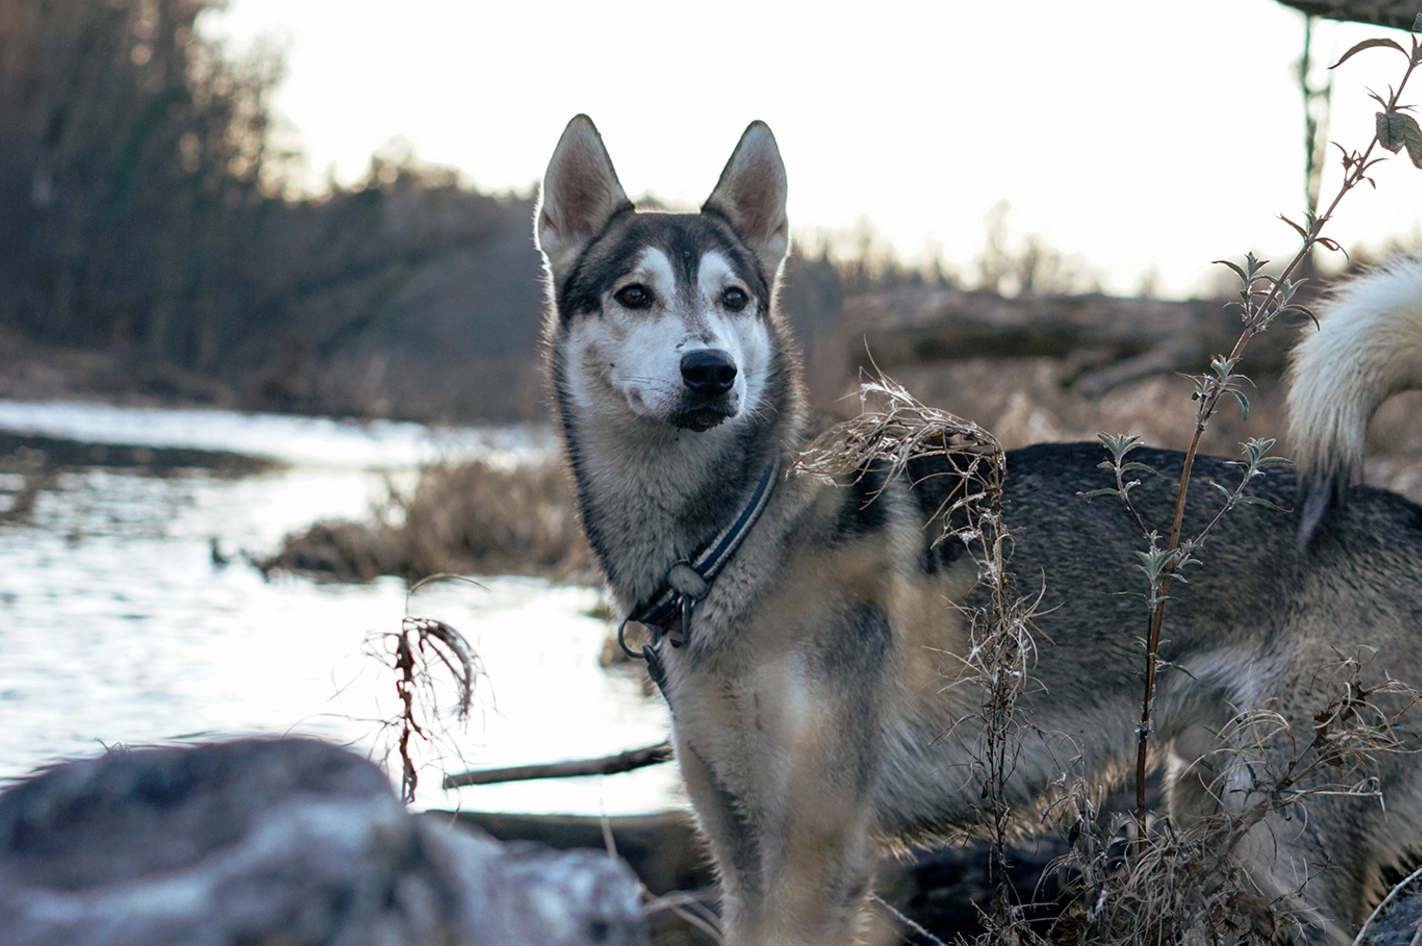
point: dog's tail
(1368, 347)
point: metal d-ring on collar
(669, 613)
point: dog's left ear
(751, 194)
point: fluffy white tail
(1368, 348)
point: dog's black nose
(708, 371)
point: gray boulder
(289, 841)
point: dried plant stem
(1001, 648)
(689, 908)
(1316, 105)
(418, 644)
(907, 921)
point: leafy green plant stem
(1399, 131)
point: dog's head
(665, 316)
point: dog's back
(1259, 625)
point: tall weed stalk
(1262, 299)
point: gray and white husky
(805, 633)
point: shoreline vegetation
(460, 518)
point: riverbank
(293, 381)
(32, 370)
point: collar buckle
(688, 581)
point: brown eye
(735, 298)
(634, 296)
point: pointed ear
(580, 194)
(751, 194)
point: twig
(906, 920)
(607, 765)
(688, 906)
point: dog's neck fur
(675, 489)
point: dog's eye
(634, 296)
(735, 298)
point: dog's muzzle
(708, 376)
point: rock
(279, 840)
(1400, 925)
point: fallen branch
(1110, 341)
(607, 765)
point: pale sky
(1134, 134)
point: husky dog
(805, 633)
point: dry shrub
(338, 550)
(905, 437)
(1184, 883)
(491, 520)
(461, 518)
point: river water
(118, 627)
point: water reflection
(116, 625)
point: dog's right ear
(580, 194)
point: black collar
(669, 612)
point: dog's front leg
(795, 861)
(732, 838)
(822, 869)
(784, 787)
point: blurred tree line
(146, 213)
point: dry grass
(1029, 400)
(1185, 883)
(461, 518)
